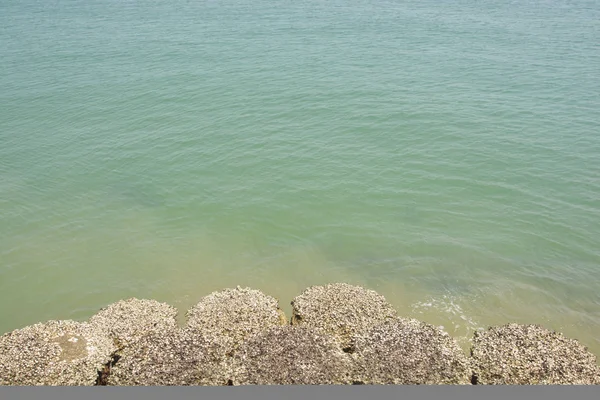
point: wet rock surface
(409, 352)
(291, 355)
(516, 354)
(228, 317)
(54, 353)
(341, 310)
(126, 321)
(168, 358)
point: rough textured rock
(127, 321)
(341, 310)
(171, 357)
(291, 355)
(409, 352)
(530, 355)
(54, 353)
(340, 334)
(228, 317)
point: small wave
(446, 312)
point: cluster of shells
(338, 334)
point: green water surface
(443, 153)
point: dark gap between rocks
(103, 374)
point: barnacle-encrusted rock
(168, 358)
(127, 321)
(341, 310)
(291, 355)
(228, 317)
(54, 353)
(409, 352)
(516, 354)
(340, 334)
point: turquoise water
(445, 154)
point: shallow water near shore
(443, 154)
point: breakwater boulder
(127, 321)
(175, 357)
(55, 353)
(338, 334)
(228, 317)
(341, 310)
(516, 354)
(409, 352)
(291, 355)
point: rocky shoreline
(338, 334)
